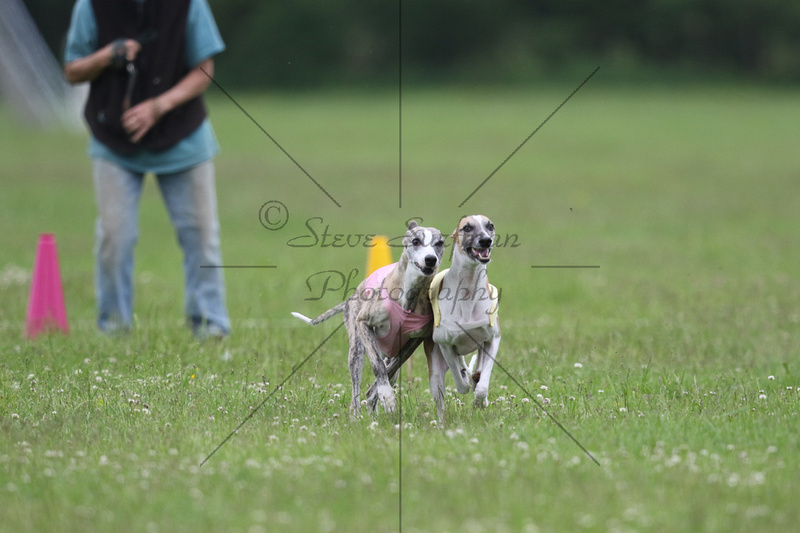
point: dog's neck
(464, 295)
(471, 274)
(409, 288)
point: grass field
(675, 363)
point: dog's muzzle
(482, 254)
(430, 265)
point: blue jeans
(191, 200)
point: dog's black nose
(430, 260)
(486, 242)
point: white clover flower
(578, 365)
(771, 378)
(762, 396)
(14, 416)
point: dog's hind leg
(383, 389)
(437, 368)
(457, 366)
(355, 360)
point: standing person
(148, 63)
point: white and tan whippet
(465, 309)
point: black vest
(160, 26)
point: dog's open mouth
(428, 271)
(480, 254)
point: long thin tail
(323, 317)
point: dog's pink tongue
(484, 253)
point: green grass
(687, 335)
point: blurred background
(675, 164)
(305, 43)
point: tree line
(307, 43)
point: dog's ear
(409, 232)
(458, 227)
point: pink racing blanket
(401, 322)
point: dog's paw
(387, 399)
(463, 385)
(481, 399)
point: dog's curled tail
(321, 318)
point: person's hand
(122, 51)
(138, 120)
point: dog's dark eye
(467, 228)
(490, 226)
(439, 244)
(415, 242)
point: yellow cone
(379, 255)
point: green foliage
(308, 44)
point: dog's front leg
(482, 372)
(383, 388)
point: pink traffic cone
(46, 303)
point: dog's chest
(465, 313)
(466, 340)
